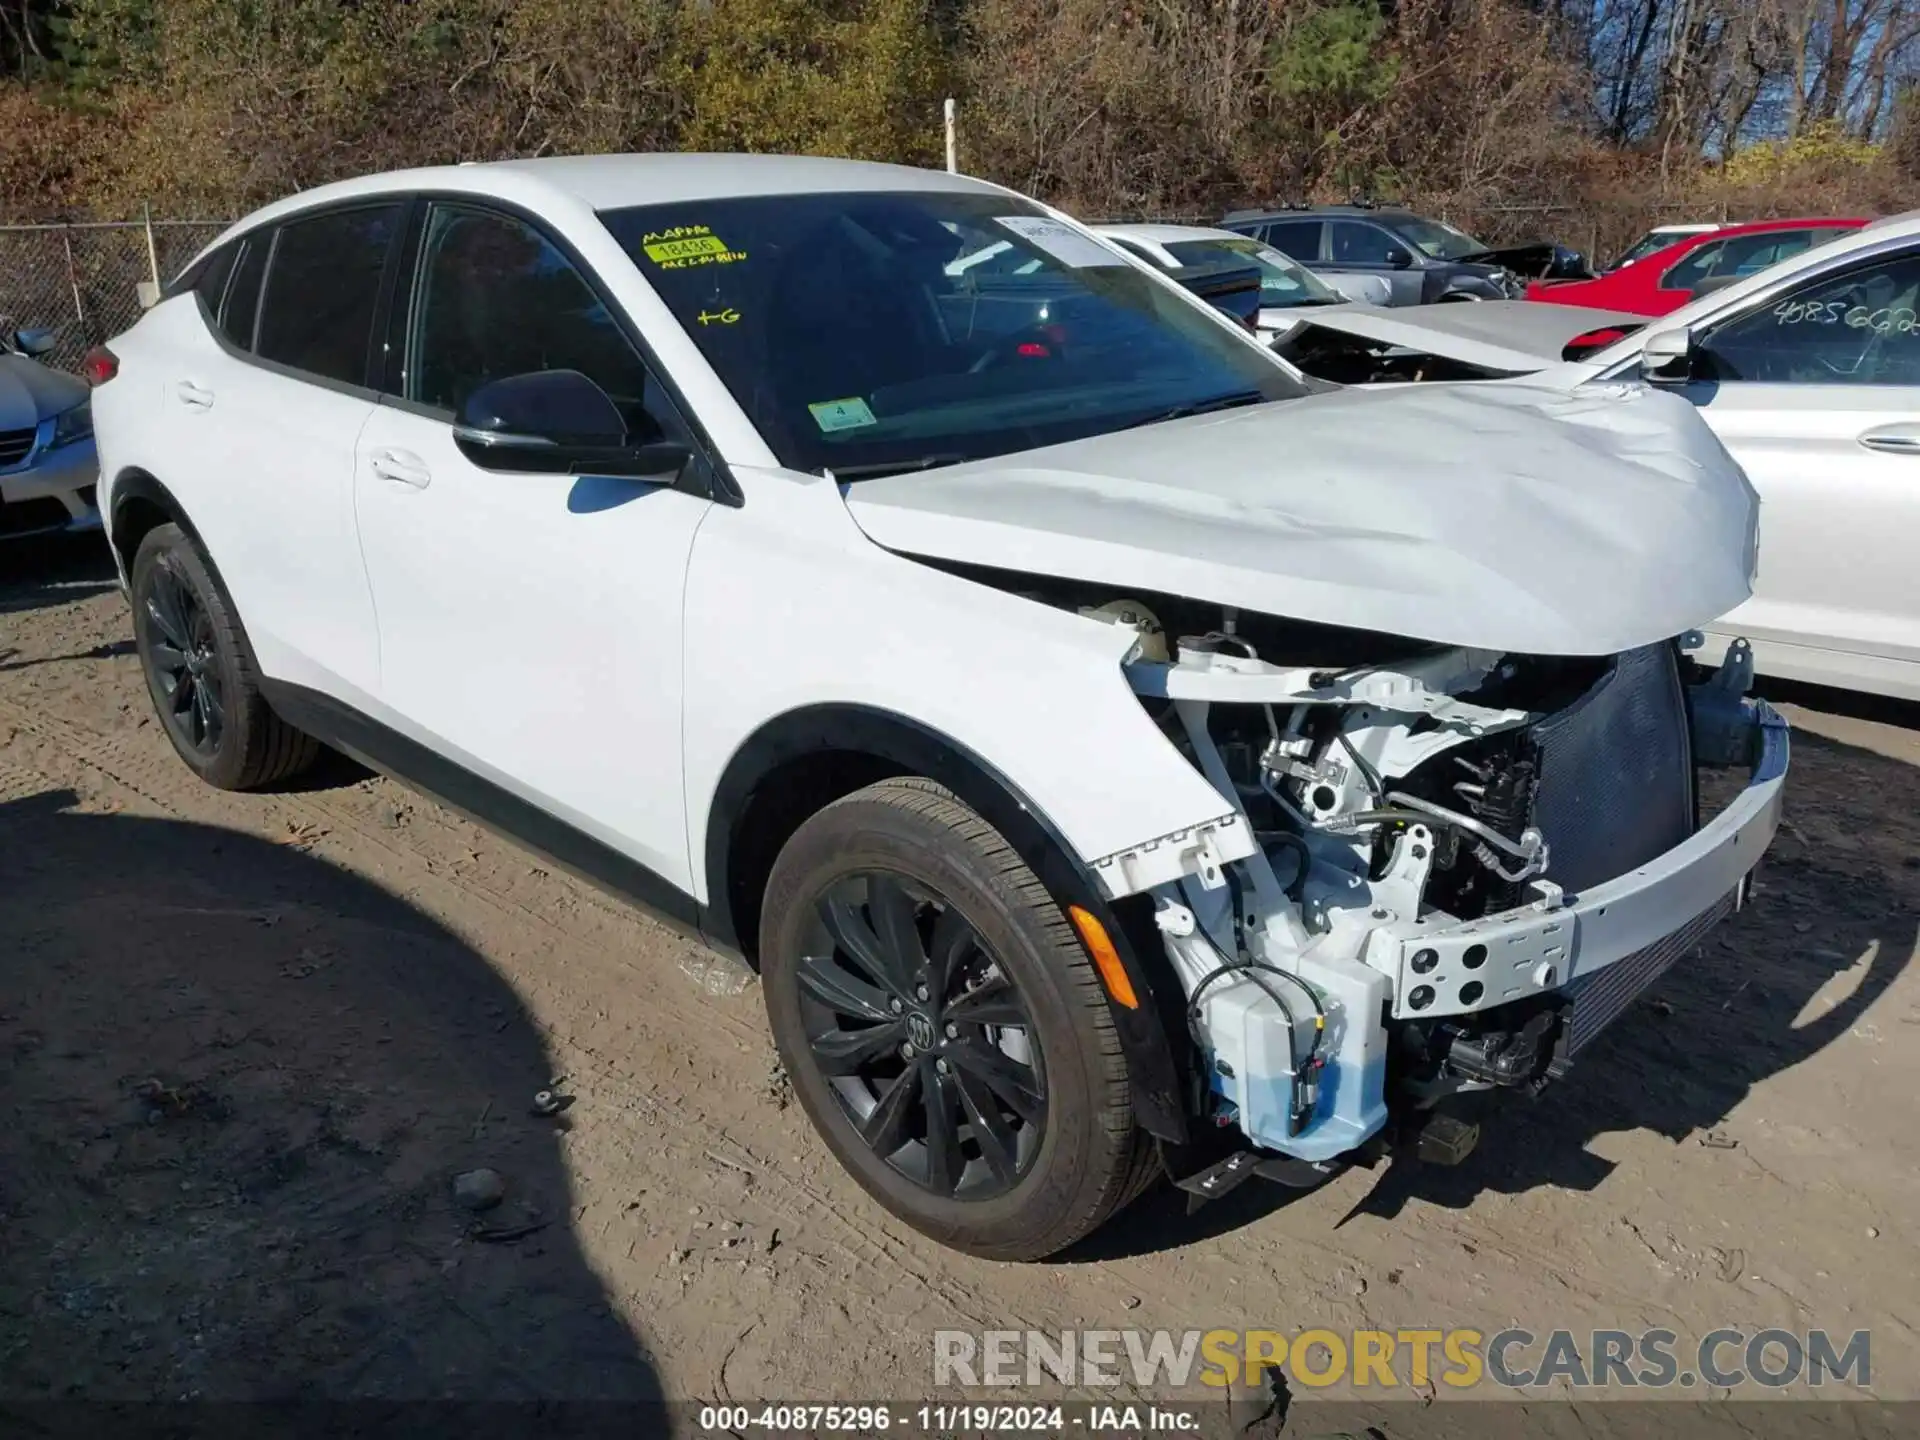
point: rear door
(266, 400)
(1816, 391)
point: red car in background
(1665, 280)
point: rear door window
(322, 289)
(1296, 239)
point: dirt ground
(247, 1041)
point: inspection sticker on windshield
(1063, 242)
(848, 414)
(683, 246)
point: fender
(1154, 1036)
(128, 488)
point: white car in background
(1809, 372)
(1659, 238)
(1287, 288)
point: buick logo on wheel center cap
(920, 1031)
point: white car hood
(1493, 514)
(1513, 336)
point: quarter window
(1855, 328)
(493, 297)
(322, 289)
(211, 283)
(237, 312)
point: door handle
(1893, 439)
(402, 467)
(193, 396)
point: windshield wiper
(1202, 407)
(882, 468)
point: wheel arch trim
(130, 484)
(1158, 1050)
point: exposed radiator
(1616, 772)
(1599, 999)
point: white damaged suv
(1115, 756)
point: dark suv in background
(1423, 260)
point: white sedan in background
(1809, 372)
(1287, 288)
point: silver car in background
(47, 462)
(1287, 290)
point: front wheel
(943, 1027)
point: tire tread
(271, 751)
(1131, 1162)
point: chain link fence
(82, 280)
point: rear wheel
(201, 672)
(944, 1029)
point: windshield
(857, 337)
(1282, 283)
(1653, 240)
(1439, 240)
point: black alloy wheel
(944, 1027)
(201, 671)
(924, 1038)
(182, 652)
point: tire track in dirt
(674, 1113)
(681, 1025)
(814, 1198)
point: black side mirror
(558, 422)
(1399, 259)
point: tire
(1033, 1178)
(222, 727)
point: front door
(530, 625)
(1358, 247)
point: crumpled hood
(29, 392)
(1515, 336)
(1493, 514)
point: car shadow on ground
(1839, 892)
(49, 570)
(238, 1086)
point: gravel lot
(247, 1041)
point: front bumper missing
(1641, 922)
